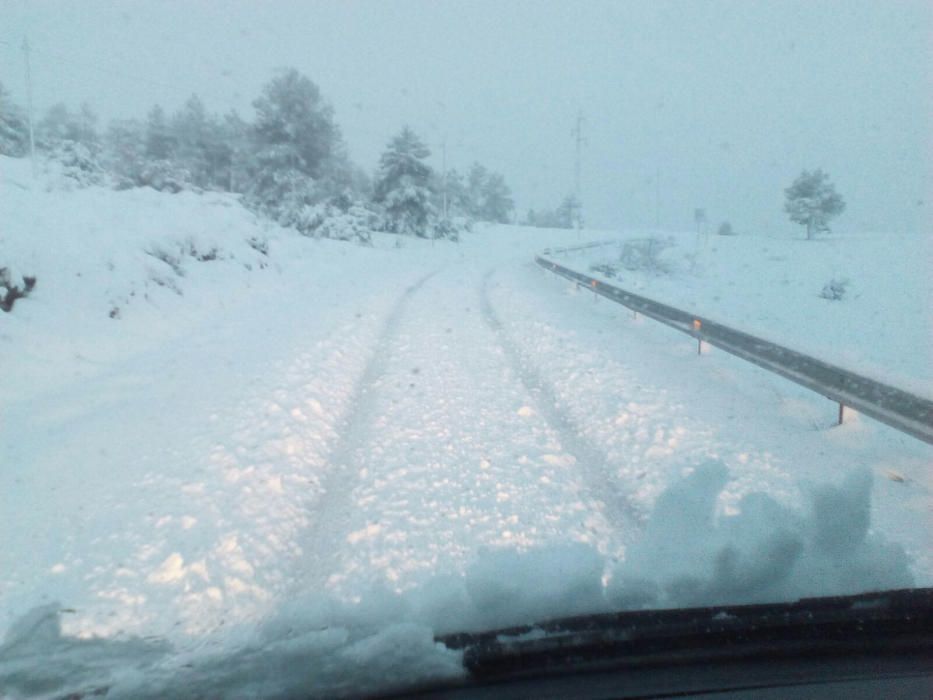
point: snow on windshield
(285, 395)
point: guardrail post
(842, 413)
(697, 325)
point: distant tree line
(289, 163)
(567, 215)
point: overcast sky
(727, 101)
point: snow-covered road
(453, 444)
(366, 447)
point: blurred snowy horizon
(713, 105)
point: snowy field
(774, 287)
(236, 461)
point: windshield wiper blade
(885, 622)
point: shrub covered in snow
(835, 289)
(13, 287)
(164, 176)
(606, 269)
(646, 254)
(452, 228)
(76, 165)
(725, 229)
(328, 221)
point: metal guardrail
(582, 246)
(899, 409)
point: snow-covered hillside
(238, 461)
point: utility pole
(32, 138)
(657, 198)
(444, 172)
(578, 137)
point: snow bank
(765, 552)
(117, 272)
(309, 650)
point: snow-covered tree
(203, 146)
(812, 201)
(160, 142)
(70, 141)
(296, 146)
(125, 152)
(497, 204)
(14, 130)
(476, 185)
(236, 136)
(55, 125)
(191, 129)
(481, 195)
(567, 215)
(76, 165)
(402, 185)
(570, 213)
(60, 124)
(450, 185)
(292, 117)
(279, 187)
(161, 169)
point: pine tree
(125, 152)
(403, 184)
(160, 143)
(232, 172)
(476, 190)
(292, 117)
(497, 200)
(191, 133)
(565, 216)
(161, 169)
(812, 201)
(203, 147)
(85, 127)
(568, 213)
(296, 149)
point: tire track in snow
(330, 520)
(620, 509)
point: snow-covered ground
(773, 287)
(285, 471)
